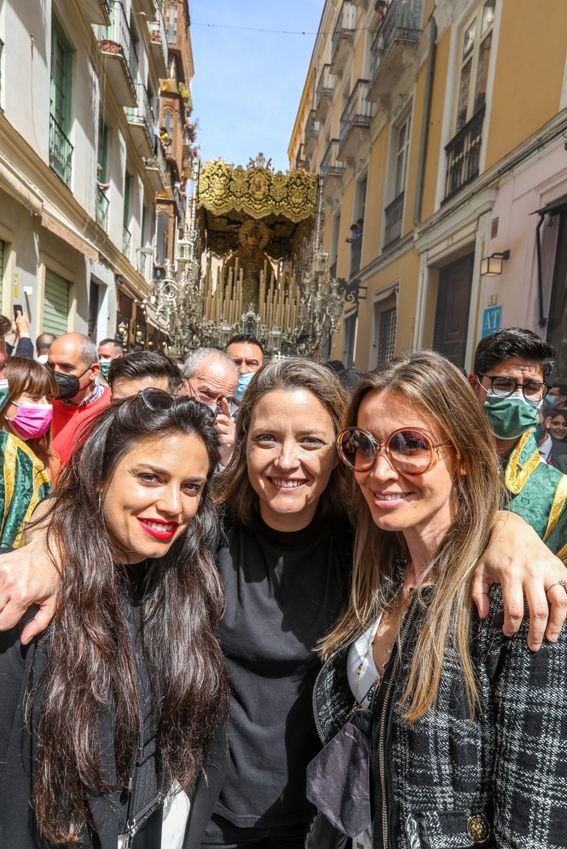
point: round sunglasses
(409, 450)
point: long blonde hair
(437, 389)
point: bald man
(74, 362)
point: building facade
(439, 127)
(83, 165)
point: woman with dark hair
(285, 563)
(28, 463)
(114, 705)
(467, 728)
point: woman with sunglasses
(285, 564)
(468, 728)
(110, 711)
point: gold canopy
(257, 191)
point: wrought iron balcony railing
(402, 22)
(119, 33)
(60, 151)
(393, 215)
(142, 113)
(345, 24)
(325, 84)
(102, 204)
(463, 155)
(126, 241)
(331, 166)
(358, 110)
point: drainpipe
(425, 122)
(542, 319)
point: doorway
(452, 311)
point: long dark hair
(91, 668)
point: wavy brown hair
(438, 390)
(233, 490)
(91, 667)
(26, 375)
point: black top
(284, 591)
(21, 668)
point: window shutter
(56, 304)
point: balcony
(146, 263)
(142, 123)
(158, 45)
(343, 36)
(354, 132)
(102, 204)
(126, 242)
(394, 214)
(332, 170)
(156, 171)
(324, 93)
(311, 133)
(395, 45)
(463, 155)
(96, 11)
(60, 151)
(119, 56)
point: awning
(68, 235)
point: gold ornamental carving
(257, 191)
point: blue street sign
(491, 320)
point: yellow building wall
(435, 123)
(372, 238)
(404, 270)
(529, 72)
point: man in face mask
(511, 370)
(73, 360)
(108, 350)
(247, 355)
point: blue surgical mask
(550, 400)
(243, 381)
(512, 416)
(4, 392)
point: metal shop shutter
(56, 304)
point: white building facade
(79, 98)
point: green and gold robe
(538, 493)
(24, 483)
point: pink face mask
(31, 422)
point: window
(393, 213)
(335, 244)
(349, 339)
(463, 151)
(60, 148)
(126, 234)
(171, 13)
(385, 317)
(55, 304)
(475, 56)
(357, 226)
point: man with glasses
(212, 377)
(511, 369)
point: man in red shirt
(74, 363)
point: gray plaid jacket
(448, 781)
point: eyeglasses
(408, 450)
(533, 390)
(159, 399)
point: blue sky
(247, 84)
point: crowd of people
(281, 604)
